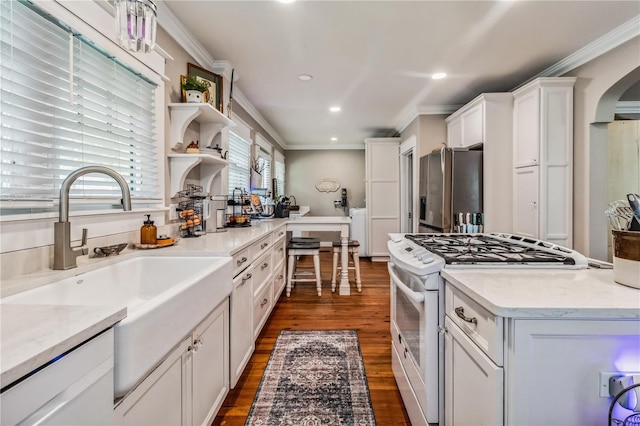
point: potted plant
(194, 88)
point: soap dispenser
(148, 232)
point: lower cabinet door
(473, 383)
(210, 361)
(242, 342)
(160, 399)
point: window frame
(151, 66)
(95, 21)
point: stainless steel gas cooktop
(495, 249)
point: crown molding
(321, 147)
(596, 48)
(241, 99)
(173, 26)
(184, 38)
(410, 113)
(628, 107)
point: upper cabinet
(487, 120)
(180, 164)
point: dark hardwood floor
(366, 312)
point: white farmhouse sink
(165, 296)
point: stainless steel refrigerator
(451, 190)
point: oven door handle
(416, 298)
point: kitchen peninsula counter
(32, 335)
(531, 293)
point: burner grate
(457, 249)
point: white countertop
(32, 335)
(535, 293)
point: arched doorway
(598, 176)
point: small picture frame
(213, 81)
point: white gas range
(417, 302)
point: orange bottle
(148, 232)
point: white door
(408, 185)
(526, 202)
(473, 384)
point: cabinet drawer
(261, 308)
(279, 234)
(240, 261)
(262, 268)
(261, 246)
(279, 281)
(480, 325)
(279, 251)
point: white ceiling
(375, 58)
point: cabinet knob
(264, 265)
(264, 302)
(241, 261)
(264, 245)
(534, 205)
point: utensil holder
(626, 258)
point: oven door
(414, 331)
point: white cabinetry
(258, 282)
(473, 383)
(76, 389)
(543, 140)
(382, 193)
(465, 126)
(190, 384)
(211, 123)
(533, 370)
(487, 119)
(242, 342)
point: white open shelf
(181, 164)
(211, 122)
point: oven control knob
(427, 258)
(417, 253)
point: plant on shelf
(194, 88)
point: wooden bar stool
(354, 262)
(302, 247)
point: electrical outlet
(604, 380)
(173, 213)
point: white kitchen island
(529, 347)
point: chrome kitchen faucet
(64, 256)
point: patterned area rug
(313, 378)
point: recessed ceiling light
(305, 77)
(335, 109)
(334, 139)
(439, 75)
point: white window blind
(65, 104)
(264, 163)
(279, 173)
(239, 159)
